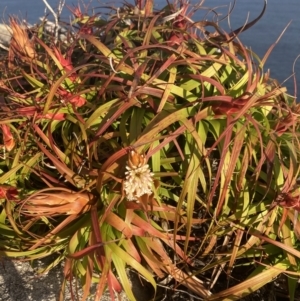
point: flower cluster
(138, 177)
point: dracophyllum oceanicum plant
(153, 142)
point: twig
(60, 7)
(4, 47)
(56, 16)
(111, 65)
(171, 288)
(55, 20)
(172, 16)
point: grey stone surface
(19, 282)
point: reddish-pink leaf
(119, 224)
(8, 139)
(289, 201)
(27, 111)
(65, 62)
(76, 100)
(8, 192)
(53, 116)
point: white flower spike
(138, 177)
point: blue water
(265, 33)
(260, 37)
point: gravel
(19, 282)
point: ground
(19, 282)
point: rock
(49, 27)
(5, 36)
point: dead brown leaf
(20, 45)
(57, 203)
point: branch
(56, 16)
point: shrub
(146, 141)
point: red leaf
(31, 111)
(8, 192)
(76, 11)
(53, 116)
(289, 201)
(66, 63)
(27, 111)
(175, 40)
(76, 100)
(8, 139)
(225, 108)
